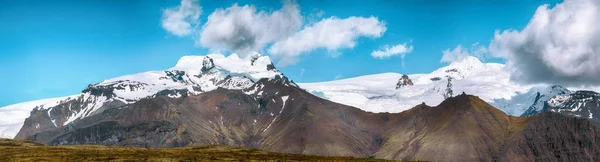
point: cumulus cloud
(460, 53)
(243, 29)
(331, 33)
(560, 45)
(387, 51)
(181, 20)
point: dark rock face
(108, 89)
(207, 64)
(174, 93)
(176, 76)
(404, 81)
(449, 92)
(275, 116)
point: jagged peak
(207, 64)
(404, 81)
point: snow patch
(93, 104)
(284, 98)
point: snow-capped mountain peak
(196, 74)
(191, 75)
(468, 62)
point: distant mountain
(377, 93)
(582, 104)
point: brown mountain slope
(461, 128)
(465, 128)
(553, 137)
(274, 116)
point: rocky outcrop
(449, 92)
(207, 64)
(404, 81)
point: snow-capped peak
(191, 75)
(465, 67)
(195, 74)
(467, 62)
(489, 81)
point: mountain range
(215, 99)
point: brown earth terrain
(19, 150)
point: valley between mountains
(218, 100)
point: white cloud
(181, 20)
(243, 29)
(560, 45)
(460, 53)
(302, 70)
(331, 33)
(387, 51)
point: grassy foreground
(18, 150)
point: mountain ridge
(275, 116)
(189, 76)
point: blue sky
(56, 48)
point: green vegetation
(18, 150)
